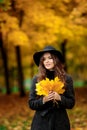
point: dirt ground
(13, 107)
(78, 115)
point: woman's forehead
(46, 54)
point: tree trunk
(20, 73)
(5, 64)
(63, 48)
(31, 70)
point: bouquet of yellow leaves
(44, 86)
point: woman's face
(48, 61)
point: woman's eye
(50, 57)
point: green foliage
(1, 1)
(4, 5)
(3, 127)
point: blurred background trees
(27, 26)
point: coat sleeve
(34, 102)
(68, 98)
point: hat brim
(38, 55)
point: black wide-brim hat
(52, 50)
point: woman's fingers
(49, 97)
(57, 96)
(52, 96)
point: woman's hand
(57, 96)
(51, 96)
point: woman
(49, 116)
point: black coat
(51, 116)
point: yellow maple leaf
(44, 86)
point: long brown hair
(58, 69)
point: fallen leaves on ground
(16, 115)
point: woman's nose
(47, 61)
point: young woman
(47, 115)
